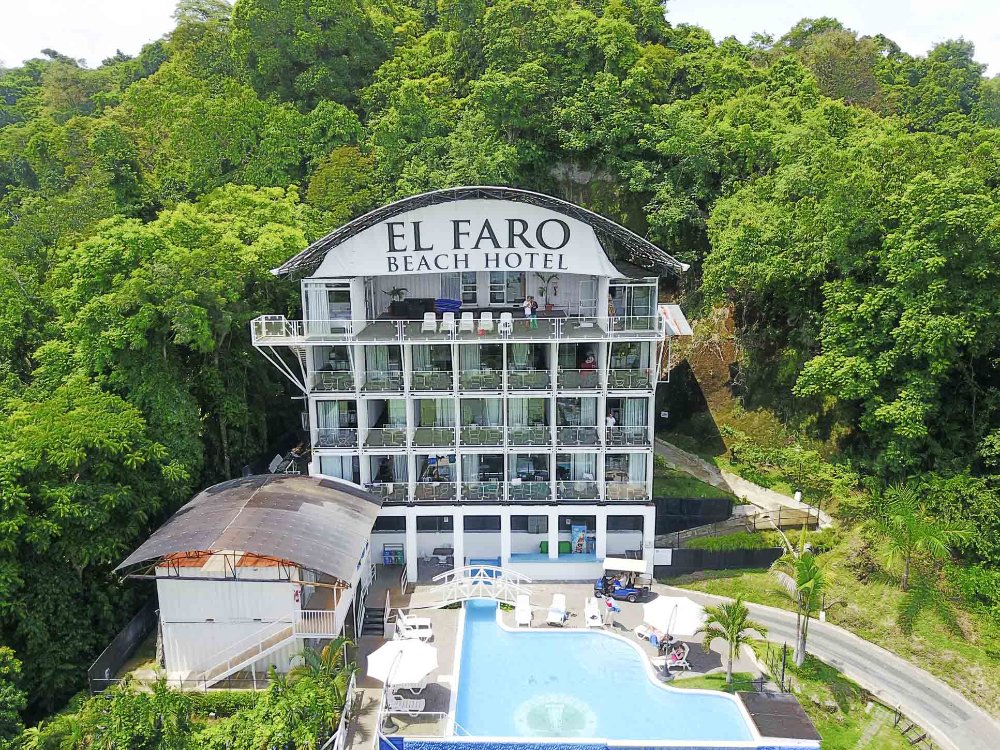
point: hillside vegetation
(836, 195)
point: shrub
(729, 542)
(223, 702)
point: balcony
(441, 491)
(431, 380)
(628, 436)
(575, 435)
(330, 382)
(636, 491)
(480, 380)
(519, 491)
(528, 380)
(475, 436)
(578, 490)
(529, 436)
(487, 492)
(336, 437)
(383, 381)
(635, 380)
(579, 380)
(390, 492)
(434, 437)
(277, 330)
(386, 437)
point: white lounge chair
(415, 687)
(467, 323)
(592, 613)
(430, 323)
(400, 705)
(522, 611)
(447, 322)
(486, 322)
(557, 610)
(413, 627)
(506, 325)
(681, 663)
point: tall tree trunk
(729, 666)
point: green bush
(729, 542)
(223, 702)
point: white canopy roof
(625, 565)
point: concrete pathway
(709, 473)
(953, 720)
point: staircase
(373, 623)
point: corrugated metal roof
(317, 523)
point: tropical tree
(802, 579)
(905, 528)
(328, 666)
(731, 623)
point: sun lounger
(557, 610)
(400, 705)
(413, 627)
(681, 663)
(522, 611)
(416, 687)
(592, 612)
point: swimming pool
(576, 684)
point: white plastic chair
(557, 610)
(413, 627)
(522, 611)
(447, 322)
(400, 705)
(592, 612)
(430, 323)
(506, 325)
(467, 324)
(486, 322)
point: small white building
(251, 571)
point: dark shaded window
(434, 523)
(624, 523)
(482, 523)
(389, 523)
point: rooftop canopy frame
(620, 243)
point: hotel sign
(471, 235)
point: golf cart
(624, 580)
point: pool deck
(362, 729)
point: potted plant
(551, 282)
(396, 296)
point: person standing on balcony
(530, 312)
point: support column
(648, 531)
(553, 534)
(410, 547)
(504, 537)
(601, 533)
(458, 535)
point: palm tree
(731, 622)
(905, 528)
(328, 668)
(802, 579)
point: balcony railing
(579, 379)
(381, 381)
(434, 437)
(336, 437)
(630, 379)
(528, 380)
(529, 436)
(626, 436)
(487, 492)
(480, 380)
(331, 381)
(431, 380)
(474, 436)
(434, 491)
(626, 491)
(390, 492)
(578, 490)
(276, 330)
(518, 490)
(576, 435)
(386, 437)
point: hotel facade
(491, 436)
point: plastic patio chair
(430, 323)
(486, 322)
(506, 326)
(467, 323)
(447, 323)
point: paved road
(953, 720)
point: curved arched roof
(317, 523)
(630, 247)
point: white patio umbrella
(405, 662)
(676, 615)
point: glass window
(530, 524)
(506, 287)
(389, 524)
(482, 523)
(470, 294)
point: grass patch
(668, 482)
(738, 540)
(964, 658)
(715, 681)
(143, 658)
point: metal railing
(431, 380)
(434, 491)
(476, 435)
(386, 437)
(316, 622)
(578, 435)
(528, 380)
(487, 492)
(383, 381)
(627, 435)
(538, 435)
(579, 379)
(520, 490)
(336, 437)
(630, 379)
(578, 490)
(480, 380)
(433, 437)
(330, 381)
(390, 492)
(638, 491)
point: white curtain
(329, 413)
(588, 412)
(399, 468)
(517, 412)
(582, 466)
(318, 305)
(337, 466)
(445, 413)
(637, 467)
(470, 468)
(470, 358)
(635, 412)
(421, 358)
(378, 358)
(397, 413)
(451, 286)
(491, 411)
(519, 352)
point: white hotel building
(490, 437)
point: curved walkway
(953, 720)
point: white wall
(558, 571)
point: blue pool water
(575, 684)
